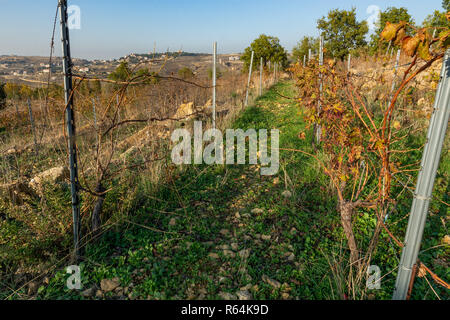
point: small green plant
(185, 73)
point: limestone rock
(88, 293)
(229, 253)
(244, 295)
(53, 175)
(108, 285)
(227, 296)
(272, 282)
(244, 254)
(128, 153)
(257, 211)
(185, 111)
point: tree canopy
(185, 73)
(342, 32)
(267, 47)
(438, 19)
(303, 46)
(122, 72)
(446, 5)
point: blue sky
(113, 28)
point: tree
(2, 96)
(146, 76)
(342, 32)
(303, 46)
(269, 49)
(122, 72)
(185, 73)
(437, 19)
(392, 15)
(446, 5)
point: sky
(114, 28)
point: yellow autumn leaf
(410, 45)
(390, 31)
(401, 34)
(424, 51)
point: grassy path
(226, 232)
(220, 232)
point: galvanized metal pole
(318, 131)
(70, 121)
(304, 60)
(434, 34)
(425, 182)
(309, 55)
(249, 78)
(389, 47)
(33, 128)
(260, 76)
(214, 75)
(321, 51)
(397, 62)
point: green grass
(212, 206)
